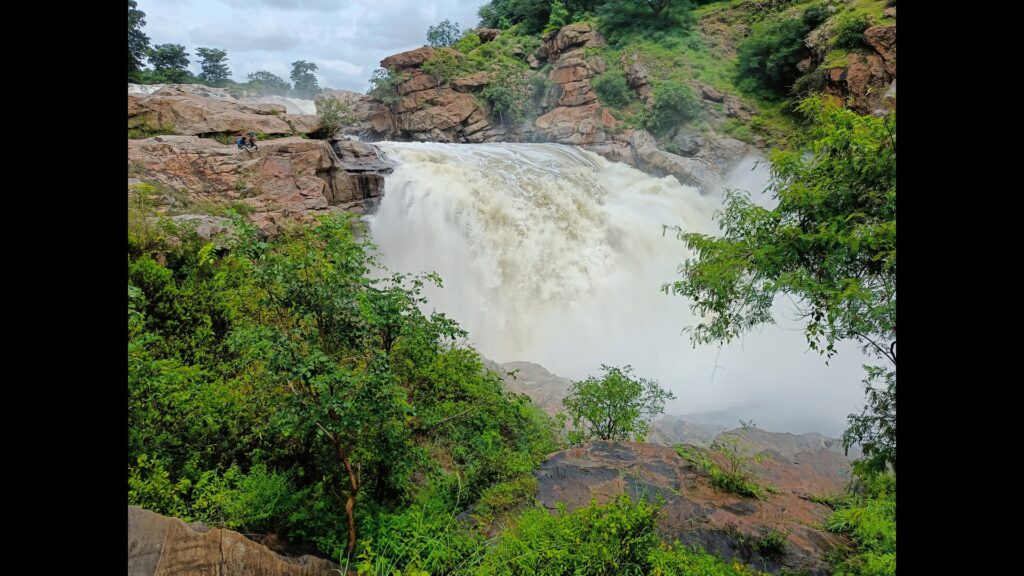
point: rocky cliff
(190, 172)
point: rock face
(192, 110)
(544, 388)
(286, 177)
(865, 79)
(162, 546)
(577, 117)
(694, 511)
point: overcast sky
(346, 39)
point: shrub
(850, 34)
(613, 90)
(334, 114)
(767, 60)
(674, 105)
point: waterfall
(554, 255)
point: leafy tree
(623, 20)
(334, 114)
(384, 85)
(303, 78)
(559, 17)
(267, 83)
(506, 95)
(138, 43)
(170, 61)
(616, 406)
(215, 71)
(767, 59)
(830, 241)
(532, 14)
(444, 34)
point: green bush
(815, 16)
(766, 62)
(384, 85)
(850, 34)
(868, 517)
(334, 114)
(444, 66)
(469, 42)
(505, 94)
(613, 90)
(674, 105)
(617, 538)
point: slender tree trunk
(351, 502)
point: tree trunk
(351, 502)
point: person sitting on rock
(251, 142)
(242, 142)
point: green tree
(303, 78)
(767, 59)
(674, 105)
(830, 241)
(384, 85)
(267, 83)
(215, 71)
(444, 34)
(559, 17)
(170, 61)
(616, 406)
(138, 43)
(506, 95)
(334, 114)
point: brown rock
(577, 94)
(889, 12)
(576, 125)
(408, 59)
(487, 34)
(289, 176)
(472, 83)
(162, 546)
(420, 81)
(883, 40)
(712, 94)
(302, 123)
(191, 114)
(575, 35)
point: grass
(736, 481)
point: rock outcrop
(162, 546)
(695, 512)
(194, 110)
(286, 177)
(576, 117)
(865, 80)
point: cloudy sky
(345, 38)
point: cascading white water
(292, 105)
(554, 255)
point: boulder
(407, 59)
(487, 34)
(163, 546)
